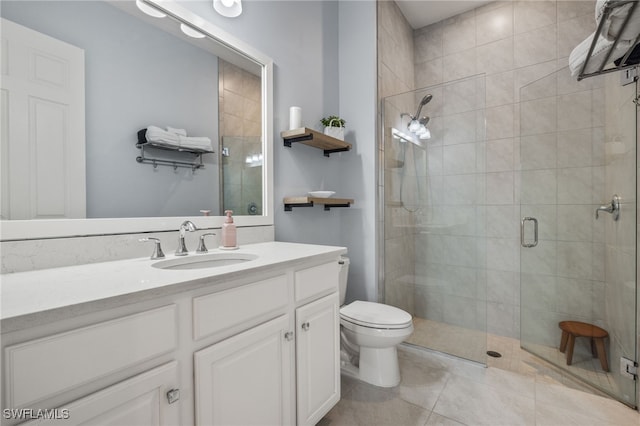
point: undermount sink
(199, 261)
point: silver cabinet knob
(288, 336)
(173, 395)
(305, 326)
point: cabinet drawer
(317, 280)
(140, 400)
(219, 311)
(44, 367)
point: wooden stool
(573, 329)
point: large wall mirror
(129, 116)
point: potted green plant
(334, 126)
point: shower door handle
(535, 232)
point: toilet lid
(375, 315)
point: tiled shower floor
(473, 344)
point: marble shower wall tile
(545, 145)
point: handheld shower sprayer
(425, 100)
(418, 125)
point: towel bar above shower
(194, 165)
(628, 60)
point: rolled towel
(612, 26)
(579, 54)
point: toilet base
(377, 366)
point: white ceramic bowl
(321, 194)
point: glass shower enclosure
(578, 226)
(433, 219)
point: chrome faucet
(201, 247)
(187, 225)
(157, 251)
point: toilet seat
(375, 315)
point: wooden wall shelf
(291, 202)
(315, 139)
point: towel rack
(622, 65)
(193, 165)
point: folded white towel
(192, 142)
(158, 136)
(181, 132)
(611, 28)
(579, 54)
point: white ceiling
(420, 13)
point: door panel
(318, 358)
(245, 380)
(43, 129)
(583, 267)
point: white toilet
(369, 334)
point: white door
(318, 358)
(139, 401)
(246, 379)
(42, 119)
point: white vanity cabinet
(317, 341)
(246, 379)
(38, 370)
(276, 373)
(318, 359)
(260, 347)
(141, 400)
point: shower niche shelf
(315, 139)
(329, 203)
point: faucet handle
(157, 251)
(201, 247)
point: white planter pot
(335, 132)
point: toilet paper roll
(295, 117)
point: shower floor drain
(494, 354)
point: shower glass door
(434, 203)
(578, 149)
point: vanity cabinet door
(247, 379)
(318, 358)
(139, 401)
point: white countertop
(52, 291)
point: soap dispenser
(229, 237)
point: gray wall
(324, 62)
(358, 78)
(118, 47)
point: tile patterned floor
(440, 390)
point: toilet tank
(344, 273)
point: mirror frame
(12, 230)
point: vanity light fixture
(149, 10)
(191, 32)
(228, 8)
